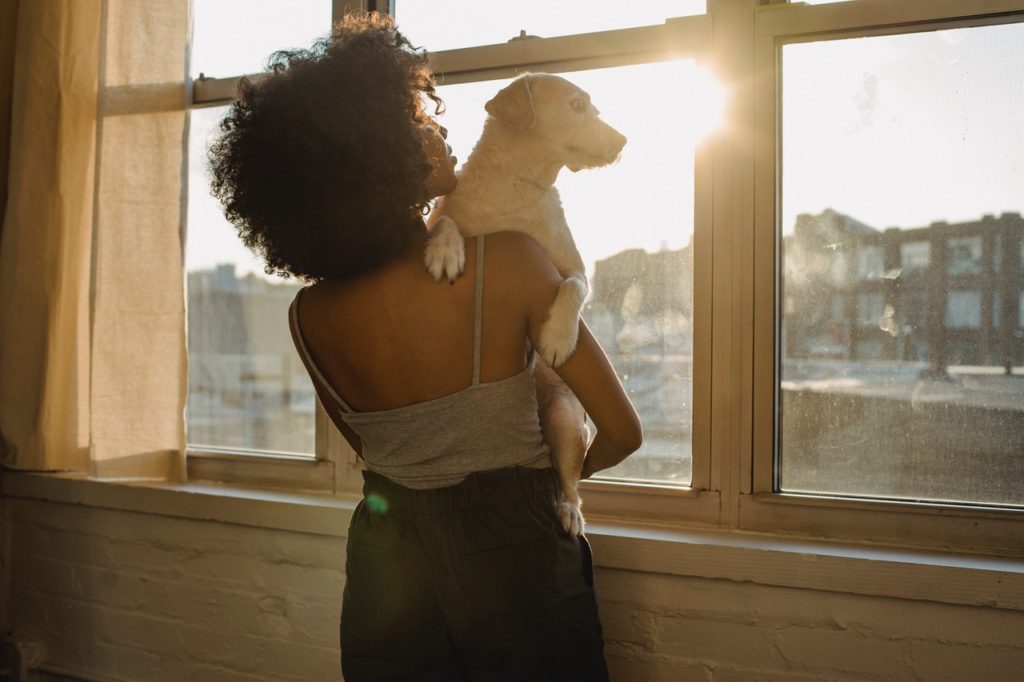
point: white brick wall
(130, 596)
(118, 595)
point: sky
(894, 131)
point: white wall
(112, 594)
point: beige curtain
(44, 255)
(139, 363)
(92, 327)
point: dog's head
(560, 113)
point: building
(944, 294)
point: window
(870, 263)
(910, 409)
(822, 321)
(964, 256)
(499, 22)
(235, 37)
(633, 222)
(915, 257)
(963, 309)
(248, 389)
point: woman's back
(431, 440)
(395, 337)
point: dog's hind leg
(560, 332)
(563, 423)
(445, 254)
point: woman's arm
(588, 372)
(590, 375)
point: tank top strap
(478, 299)
(307, 359)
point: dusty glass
(235, 37)
(248, 389)
(633, 224)
(901, 279)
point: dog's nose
(619, 139)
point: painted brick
(627, 623)
(105, 586)
(75, 618)
(730, 673)
(139, 664)
(943, 661)
(651, 668)
(272, 658)
(708, 640)
(143, 631)
(141, 597)
(326, 582)
(28, 609)
(844, 652)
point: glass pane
(248, 389)
(235, 37)
(441, 24)
(633, 223)
(901, 196)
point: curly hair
(319, 164)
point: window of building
(915, 257)
(870, 263)
(963, 309)
(963, 256)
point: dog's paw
(557, 341)
(571, 517)
(445, 255)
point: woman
(457, 566)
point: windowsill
(735, 556)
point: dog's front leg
(560, 332)
(445, 254)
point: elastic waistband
(477, 489)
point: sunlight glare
(706, 112)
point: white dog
(536, 125)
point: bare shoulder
(516, 256)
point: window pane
(235, 37)
(901, 197)
(441, 24)
(633, 223)
(248, 389)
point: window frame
(335, 466)
(762, 508)
(683, 37)
(735, 259)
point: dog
(535, 126)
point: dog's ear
(513, 105)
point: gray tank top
(438, 442)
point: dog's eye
(578, 106)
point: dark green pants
(477, 581)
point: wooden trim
(271, 471)
(798, 19)
(676, 38)
(991, 531)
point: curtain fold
(93, 364)
(139, 359)
(47, 224)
